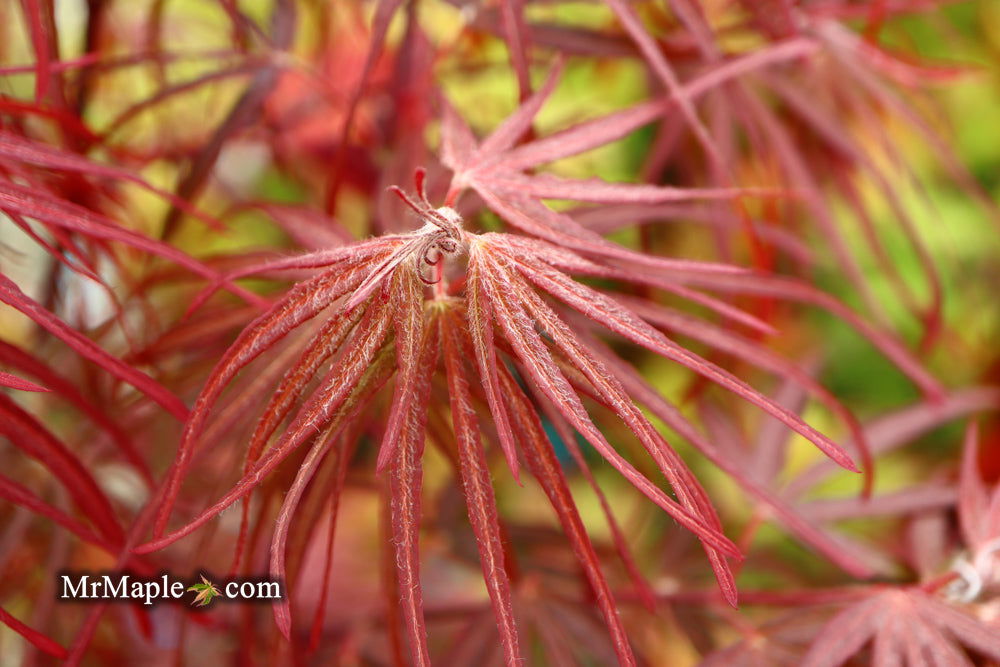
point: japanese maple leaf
(206, 592)
(904, 626)
(400, 304)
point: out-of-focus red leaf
(897, 428)
(16, 357)
(516, 33)
(43, 44)
(13, 296)
(384, 12)
(14, 382)
(65, 215)
(37, 639)
(15, 147)
(308, 227)
(13, 492)
(28, 435)
(69, 122)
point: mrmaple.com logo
(163, 588)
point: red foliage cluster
(319, 367)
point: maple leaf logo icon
(207, 591)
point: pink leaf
(480, 327)
(547, 470)
(330, 400)
(690, 493)
(548, 186)
(303, 302)
(518, 123)
(845, 634)
(973, 496)
(276, 567)
(978, 635)
(792, 290)
(405, 500)
(546, 375)
(895, 429)
(617, 318)
(827, 544)
(517, 36)
(407, 294)
(478, 487)
(458, 144)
